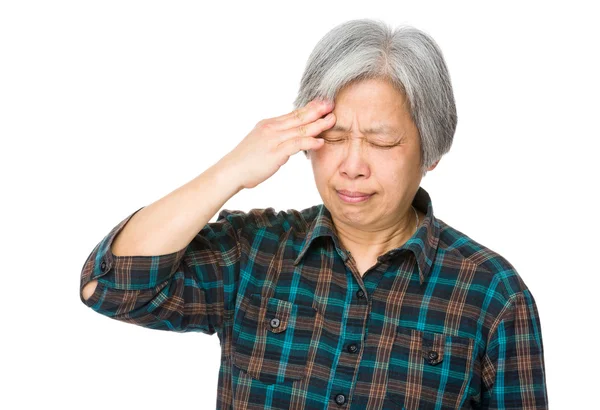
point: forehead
(371, 106)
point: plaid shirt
(441, 322)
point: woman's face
(357, 156)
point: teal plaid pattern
(441, 322)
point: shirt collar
(423, 243)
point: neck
(376, 241)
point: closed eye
(334, 141)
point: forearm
(170, 223)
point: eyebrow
(382, 129)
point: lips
(353, 194)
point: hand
(271, 143)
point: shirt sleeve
(513, 369)
(192, 289)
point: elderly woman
(367, 301)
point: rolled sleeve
(127, 272)
(513, 368)
(187, 290)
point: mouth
(353, 196)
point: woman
(367, 301)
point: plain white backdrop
(108, 106)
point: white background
(108, 106)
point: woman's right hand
(272, 141)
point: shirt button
(340, 399)
(103, 266)
(360, 294)
(274, 323)
(352, 348)
(432, 355)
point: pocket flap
(415, 373)
(277, 315)
(273, 339)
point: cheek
(321, 161)
(320, 171)
(393, 174)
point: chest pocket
(427, 367)
(274, 338)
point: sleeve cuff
(125, 272)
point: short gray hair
(409, 58)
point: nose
(355, 155)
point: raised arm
(164, 266)
(169, 224)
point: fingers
(311, 129)
(303, 136)
(296, 112)
(303, 115)
(294, 145)
(295, 131)
(310, 112)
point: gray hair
(409, 58)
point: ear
(433, 165)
